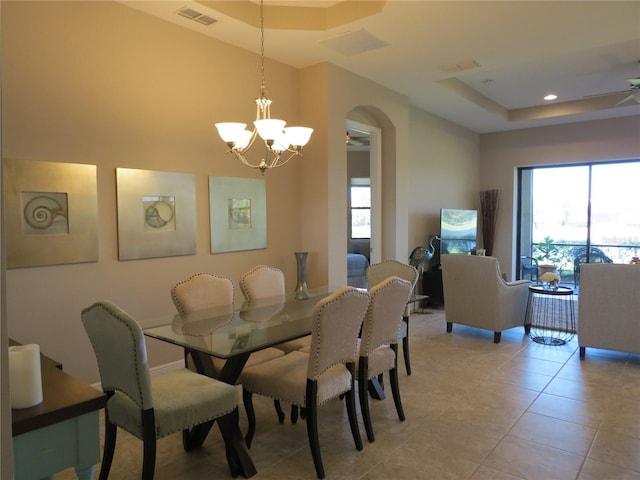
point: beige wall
(502, 153)
(444, 173)
(100, 83)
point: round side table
(551, 315)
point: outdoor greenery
(562, 254)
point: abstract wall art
(156, 214)
(51, 213)
(238, 209)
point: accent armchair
(609, 307)
(476, 295)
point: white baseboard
(155, 371)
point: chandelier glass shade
(282, 143)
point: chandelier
(282, 143)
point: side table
(61, 432)
(551, 315)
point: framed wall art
(156, 214)
(51, 213)
(238, 210)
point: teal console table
(61, 432)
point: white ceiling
(524, 49)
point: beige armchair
(609, 307)
(475, 294)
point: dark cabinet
(432, 286)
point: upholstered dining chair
(378, 272)
(476, 294)
(152, 408)
(379, 342)
(203, 291)
(264, 281)
(326, 372)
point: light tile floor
(475, 410)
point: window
(570, 211)
(360, 199)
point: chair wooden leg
(363, 396)
(350, 399)
(149, 444)
(395, 386)
(279, 411)
(449, 327)
(312, 426)
(527, 328)
(251, 416)
(405, 351)
(583, 351)
(496, 337)
(110, 434)
(294, 414)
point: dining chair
(379, 342)
(203, 291)
(378, 272)
(308, 380)
(264, 281)
(152, 408)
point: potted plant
(546, 254)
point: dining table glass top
(225, 332)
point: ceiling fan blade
(625, 100)
(606, 94)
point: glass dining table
(233, 334)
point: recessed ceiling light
(551, 96)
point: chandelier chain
(263, 85)
(282, 143)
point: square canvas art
(156, 214)
(238, 209)
(51, 213)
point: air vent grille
(194, 15)
(468, 64)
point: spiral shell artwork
(41, 211)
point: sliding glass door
(569, 215)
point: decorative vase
(301, 288)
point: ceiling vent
(354, 43)
(460, 66)
(196, 16)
